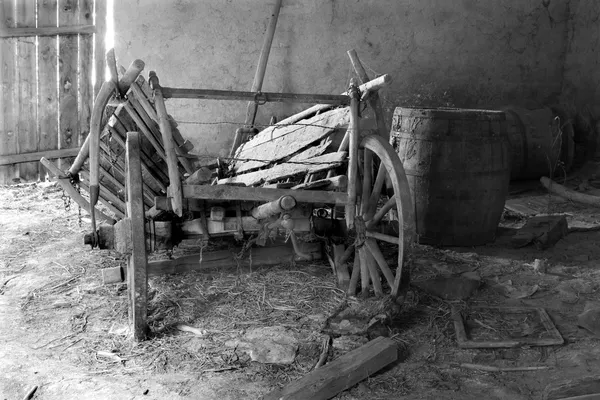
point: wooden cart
(356, 197)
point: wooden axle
(284, 203)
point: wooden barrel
(538, 140)
(458, 169)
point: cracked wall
(467, 53)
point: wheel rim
(381, 167)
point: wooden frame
(464, 342)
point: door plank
(47, 82)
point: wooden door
(49, 50)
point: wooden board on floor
(47, 91)
(68, 82)
(279, 142)
(27, 81)
(10, 98)
(344, 372)
(286, 170)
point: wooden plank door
(47, 80)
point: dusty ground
(57, 319)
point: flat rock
(451, 288)
(590, 318)
(268, 345)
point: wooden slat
(27, 81)
(99, 44)
(278, 142)
(229, 193)
(286, 170)
(86, 54)
(35, 157)
(68, 82)
(9, 100)
(209, 94)
(47, 89)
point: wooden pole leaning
(174, 191)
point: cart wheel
(374, 225)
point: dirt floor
(64, 331)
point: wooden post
(353, 155)
(138, 263)
(169, 146)
(262, 64)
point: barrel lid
(450, 113)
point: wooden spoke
(376, 193)
(372, 267)
(384, 238)
(354, 277)
(391, 203)
(365, 276)
(383, 265)
(367, 177)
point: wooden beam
(49, 31)
(209, 94)
(231, 193)
(344, 372)
(28, 157)
(138, 262)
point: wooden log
(373, 100)
(167, 138)
(145, 130)
(340, 374)
(231, 193)
(108, 199)
(29, 157)
(67, 187)
(138, 263)
(262, 65)
(569, 194)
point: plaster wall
(582, 65)
(463, 53)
